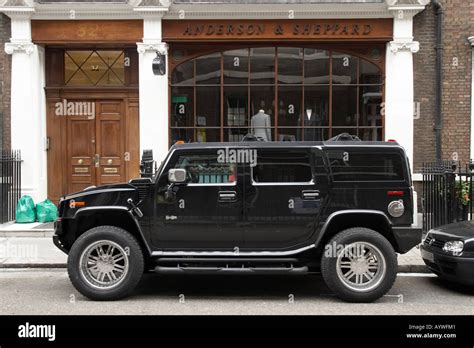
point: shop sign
(277, 29)
(325, 29)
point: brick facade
(5, 82)
(457, 72)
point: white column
(28, 110)
(399, 95)
(154, 123)
(471, 40)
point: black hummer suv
(340, 208)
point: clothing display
(260, 126)
(310, 119)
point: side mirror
(177, 176)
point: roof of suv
(286, 144)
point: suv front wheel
(105, 263)
(359, 265)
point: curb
(27, 234)
(413, 269)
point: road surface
(49, 291)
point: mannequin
(260, 125)
(310, 119)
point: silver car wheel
(361, 266)
(104, 264)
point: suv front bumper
(455, 268)
(407, 238)
(58, 231)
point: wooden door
(96, 146)
(110, 142)
(80, 153)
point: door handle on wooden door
(97, 160)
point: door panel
(207, 211)
(96, 147)
(81, 149)
(199, 219)
(110, 142)
(282, 199)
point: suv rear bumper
(407, 238)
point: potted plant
(463, 191)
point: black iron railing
(10, 184)
(447, 193)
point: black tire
(383, 282)
(129, 279)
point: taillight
(396, 193)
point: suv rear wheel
(359, 265)
(105, 263)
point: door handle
(97, 160)
(227, 196)
(310, 194)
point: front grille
(434, 242)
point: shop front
(85, 101)
(278, 80)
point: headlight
(456, 247)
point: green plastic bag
(46, 211)
(25, 210)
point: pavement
(31, 246)
(35, 229)
(50, 292)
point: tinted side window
(204, 168)
(347, 165)
(282, 167)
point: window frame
(372, 131)
(365, 151)
(205, 152)
(95, 50)
(288, 150)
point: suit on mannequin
(311, 120)
(260, 126)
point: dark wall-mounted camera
(159, 64)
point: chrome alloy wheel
(361, 266)
(104, 264)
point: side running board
(231, 270)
